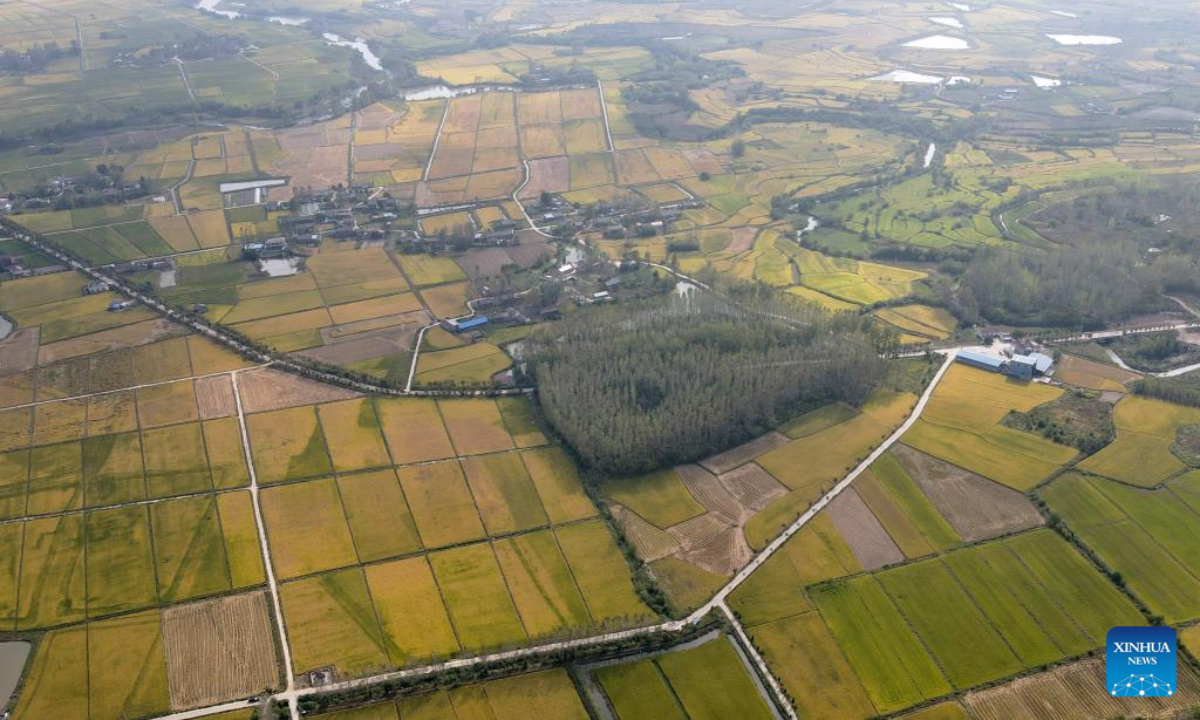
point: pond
(1045, 82)
(210, 6)
(947, 21)
(908, 76)
(6, 327)
(1085, 39)
(939, 42)
(12, 664)
(282, 267)
(214, 7)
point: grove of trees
(639, 386)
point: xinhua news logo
(1140, 661)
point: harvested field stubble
(1075, 692)
(219, 650)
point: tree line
(1087, 286)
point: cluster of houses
(97, 288)
(69, 191)
(617, 223)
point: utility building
(982, 361)
(458, 326)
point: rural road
(219, 335)
(292, 695)
(722, 594)
(436, 140)
(187, 84)
(265, 547)
(604, 111)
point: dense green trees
(1081, 286)
(1182, 390)
(644, 385)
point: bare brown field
(648, 540)
(20, 351)
(142, 333)
(316, 155)
(1094, 375)
(463, 114)
(265, 389)
(744, 453)
(218, 650)
(743, 240)
(704, 161)
(367, 345)
(870, 543)
(531, 250)
(452, 162)
(709, 492)
(214, 396)
(634, 169)
(580, 104)
(752, 486)
(1076, 692)
(547, 175)
(711, 544)
(484, 262)
(975, 507)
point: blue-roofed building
(1041, 361)
(1021, 367)
(458, 326)
(980, 360)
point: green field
(1149, 536)
(706, 682)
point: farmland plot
(218, 650)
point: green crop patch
(477, 598)
(1147, 536)
(189, 548)
(967, 647)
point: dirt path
(273, 585)
(1184, 305)
(604, 111)
(186, 178)
(187, 84)
(437, 139)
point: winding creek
(359, 45)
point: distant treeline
(1087, 286)
(1159, 218)
(640, 386)
(1182, 390)
(35, 59)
